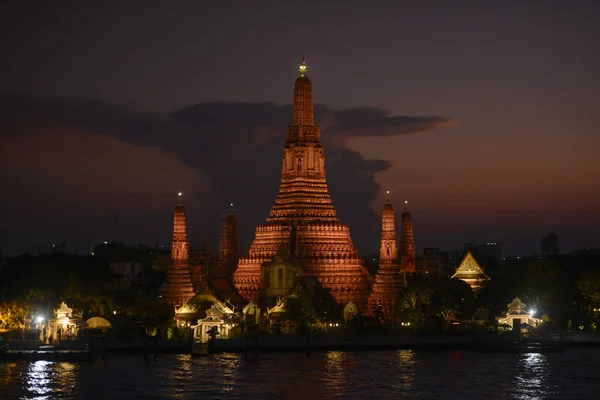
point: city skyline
(488, 142)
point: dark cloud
(99, 155)
(363, 122)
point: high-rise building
(407, 243)
(303, 218)
(178, 287)
(489, 249)
(430, 263)
(550, 245)
(388, 279)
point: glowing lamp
(303, 67)
(39, 319)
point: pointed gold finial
(405, 205)
(180, 194)
(388, 196)
(303, 67)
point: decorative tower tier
(388, 280)
(407, 243)
(303, 218)
(178, 287)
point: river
(380, 374)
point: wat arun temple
(303, 236)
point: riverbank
(79, 351)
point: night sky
(484, 115)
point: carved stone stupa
(178, 287)
(388, 280)
(303, 218)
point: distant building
(450, 260)
(129, 270)
(491, 249)
(549, 245)
(430, 263)
(407, 243)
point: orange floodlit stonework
(388, 280)
(303, 218)
(407, 243)
(178, 287)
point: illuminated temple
(303, 220)
(388, 280)
(178, 287)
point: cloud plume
(219, 153)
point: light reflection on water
(531, 377)
(47, 379)
(406, 369)
(336, 374)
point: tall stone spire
(303, 193)
(178, 287)
(303, 218)
(228, 243)
(303, 104)
(388, 280)
(407, 242)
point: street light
(39, 319)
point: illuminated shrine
(178, 288)
(388, 279)
(304, 219)
(471, 272)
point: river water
(336, 374)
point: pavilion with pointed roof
(471, 272)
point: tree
(15, 315)
(201, 304)
(448, 314)
(153, 314)
(452, 299)
(310, 306)
(589, 286)
(415, 298)
(417, 293)
(540, 283)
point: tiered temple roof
(178, 287)
(303, 217)
(388, 280)
(471, 272)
